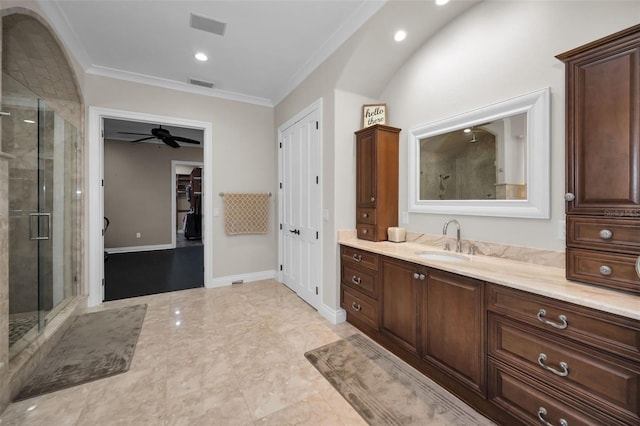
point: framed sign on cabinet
(374, 114)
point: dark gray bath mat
(385, 390)
(97, 345)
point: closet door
(300, 195)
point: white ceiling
(268, 48)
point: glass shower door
(43, 211)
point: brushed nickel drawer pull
(373, 199)
(356, 280)
(365, 215)
(606, 234)
(569, 196)
(356, 307)
(565, 367)
(543, 412)
(606, 270)
(416, 275)
(563, 318)
(364, 231)
(357, 257)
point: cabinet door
(453, 319)
(603, 112)
(366, 186)
(400, 295)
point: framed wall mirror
(493, 161)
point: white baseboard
(113, 250)
(245, 278)
(334, 316)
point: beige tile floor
(225, 356)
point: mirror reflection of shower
(442, 179)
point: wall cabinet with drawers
(376, 181)
(517, 357)
(603, 161)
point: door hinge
(103, 282)
(280, 144)
(317, 180)
(281, 227)
(316, 235)
(102, 182)
(316, 290)
(102, 133)
(102, 230)
(281, 267)
(280, 185)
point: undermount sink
(443, 257)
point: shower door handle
(38, 216)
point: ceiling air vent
(208, 25)
(206, 84)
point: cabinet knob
(569, 196)
(543, 412)
(423, 276)
(356, 307)
(364, 231)
(373, 199)
(606, 234)
(365, 215)
(606, 270)
(416, 275)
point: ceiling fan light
(202, 57)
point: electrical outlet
(562, 230)
(138, 235)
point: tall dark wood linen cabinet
(376, 181)
(603, 161)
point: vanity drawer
(360, 307)
(360, 257)
(367, 232)
(360, 279)
(591, 376)
(617, 271)
(613, 333)
(367, 216)
(535, 403)
(621, 235)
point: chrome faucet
(458, 242)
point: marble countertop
(538, 279)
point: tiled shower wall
(33, 58)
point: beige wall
(499, 50)
(244, 158)
(449, 75)
(137, 191)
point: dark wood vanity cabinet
(360, 287)
(376, 181)
(401, 294)
(551, 360)
(453, 327)
(603, 161)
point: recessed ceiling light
(201, 56)
(400, 35)
(441, 2)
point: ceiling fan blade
(186, 140)
(169, 141)
(129, 133)
(144, 139)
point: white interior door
(301, 207)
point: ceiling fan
(164, 135)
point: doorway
(96, 211)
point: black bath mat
(97, 345)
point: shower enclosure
(43, 209)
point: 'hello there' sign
(374, 114)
